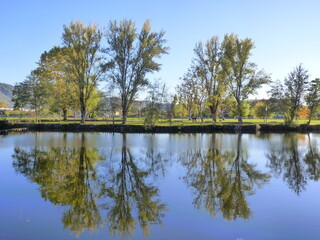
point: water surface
(159, 186)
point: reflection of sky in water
(277, 211)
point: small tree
(192, 92)
(3, 105)
(32, 92)
(277, 102)
(172, 108)
(303, 112)
(312, 98)
(262, 110)
(155, 102)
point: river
(159, 186)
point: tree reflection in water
(69, 177)
(88, 184)
(222, 180)
(296, 164)
(130, 189)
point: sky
(285, 33)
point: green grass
(162, 122)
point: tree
(277, 101)
(192, 92)
(261, 109)
(155, 102)
(32, 92)
(208, 66)
(172, 108)
(132, 58)
(295, 86)
(241, 76)
(185, 93)
(3, 105)
(84, 64)
(312, 98)
(63, 92)
(303, 112)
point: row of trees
(67, 76)
(218, 71)
(221, 76)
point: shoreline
(232, 128)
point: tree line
(221, 76)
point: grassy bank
(161, 122)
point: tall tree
(132, 58)
(295, 86)
(84, 63)
(208, 65)
(242, 79)
(312, 98)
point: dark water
(181, 186)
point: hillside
(6, 93)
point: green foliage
(155, 101)
(132, 58)
(244, 109)
(242, 79)
(32, 92)
(3, 105)
(277, 101)
(83, 62)
(261, 110)
(312, 98)
(69, 177)
(295, 86)
(63, 93)
(223, 178)
(208, 68)
(288, 97)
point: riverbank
(230, 128)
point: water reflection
(129, 188)
(222, 179)
(69, 177)
(296, 158)
(116, 185)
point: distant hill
(6, 93)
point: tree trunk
(213, 111)
(65, 114)
(309, 121)
(124, 116)
(239, 112)
(36, 112)
(83, 113)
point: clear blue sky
(286, 33)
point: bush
(4, 124)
